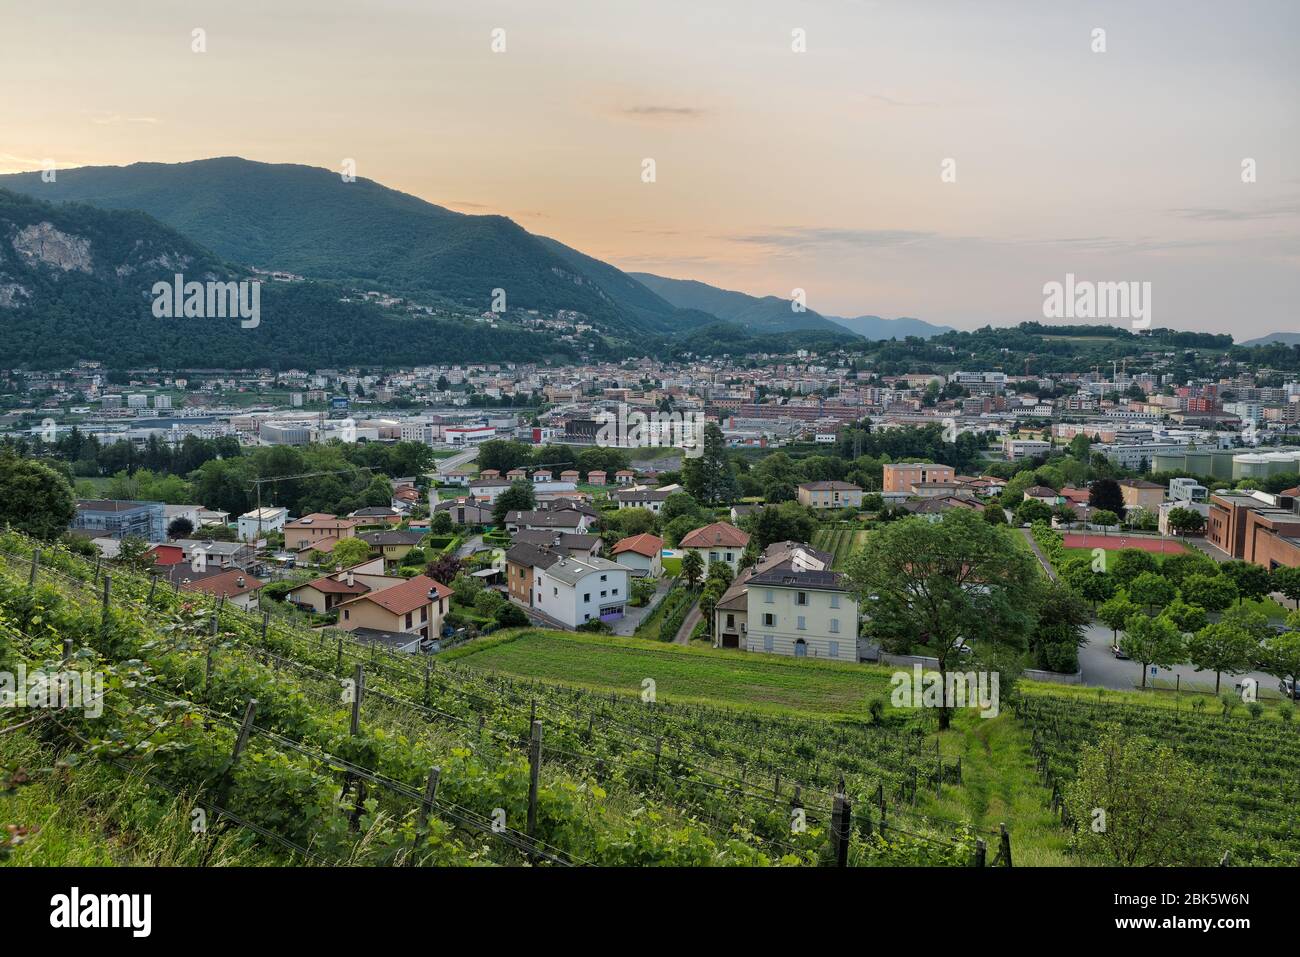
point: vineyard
(305, 746)
(1254, 765)
(840, 539)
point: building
(1016, 449)
(392, 545)
(801, 612)
(1184, 490)
(549, 519)
(824, 495)
(568, 591)
(1141, 494)
(641, 554)
(649, 499)
(569, 544)
(111, 518)
(899, 477)
(237, 586)
(1256, 527)
(261, 521)
(323, 594)
(416, 608)
(719, 542)
(206, 554)
(316, 528)
(731, 614)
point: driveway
(688, 626)
(632, 617)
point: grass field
(842, 543)
(708, 676)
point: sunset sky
(775, 169)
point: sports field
(1116, 542)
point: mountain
(308, 221)
(756, 314)
(1282, 338)
(77, 282)
(876, 328)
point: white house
(641, 554)
(260, 522)
(570, 591)
(805, 613)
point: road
(442, 466)
(688, 626)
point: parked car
(1289, 689)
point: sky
(775, 169)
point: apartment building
(801, 612)
(569, 591)
(111, 518)
(260, 522)
(899, 477)
(1138, 493)
(824, 495)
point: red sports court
(1116, 542)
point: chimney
(351, 580)
(240, 581)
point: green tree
(1152, 641)
(349, 552)
(993, 514)
(1105, 493)
(1252, 580)
(1152, 591)
(34, 498)
(708, 476)
(1186, 520)
(1094, 586)
(1135, 803)
(1287, 581)
(519, 497)
(1222, 647)
(950, 584)
(788, 521)
(133, 553)
(1177, 567)
(1188, 618)
(1280, 654)
(1103, 517)
(1213, 592)
(1116, 612)
(692, 567)
(1031, 510)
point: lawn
(698, 675)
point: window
(347, 614)
(835, 649)
(767, 596)
(769, 620)
(835, 600)
(731, 621)
(555, 593)
(602, 593)
(586, 596)
(615, 591)
(835, 626)
(729, 556)
(767, 642)
(408, 619)
(803, 625)
(713, 556)
(801, 598)
(603, 577)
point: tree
(707, 476)
(692, 567)
(1152, 591)
(350, 551)
(1135, 803)
(1116, 612)
(1186, 521)
(1129, 563)
(1188, 618)
(787, 522)
(994, 515)
(677, 505)
(510, 615)
(750, 556)
(1177, 567)
(1280, 654)
(133, 553)
(180, 527)
(1252, 580)
(1105, 493)
(949, 583)
(1287, 581)
(679, 527)
(518, 497)
(1031, 510)
(441, 523)
(1094, 586)
(1223, 646)
(1152, 641)
(1103, 517)
(635, 521)
(34, 498)
(1213, 592)
(1060, 630)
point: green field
(683, 674)
(840, 542)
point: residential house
(801, 612)
(392, 545)
(322, 594)
(549, 519)
(239, 588)
(719, 542)
(416, 607)
(899, 477)
(827, 495)
(596, 477)
(1138, 493)
(731, 614)
(650, 499)
(207, 554)
(568, 591)
(260, 522)
(465, 513)
(311, 530)
(571, 544)
(641, 554)
(624, 477)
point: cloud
(112, 119)
(660, 112)
(1218, 214)
(815, 237)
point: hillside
(757, 315)
(874, 327)
(76, 283)
(1281, 338)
